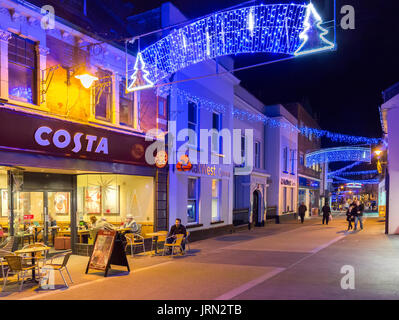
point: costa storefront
(60, 173)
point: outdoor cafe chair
(134, 240)
(59, 266)
(177, 243)
(17, 267)
(3, 262)
(186, 240)
(161, 238)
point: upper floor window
(301, 159)
(22, 69)
(292, 161)
(161, 107)
(126, 105)
(285, 159)
(103, 96)
(257, 154)
(193, 120)
(216, 124)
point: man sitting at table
(176, 229)
(131, 225)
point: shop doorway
(255, 208)
(42, 213)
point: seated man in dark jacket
(177, 228)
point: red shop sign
(28, 216)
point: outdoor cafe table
(32, 251)
(155, 236)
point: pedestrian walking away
(301, 211)
(349, 218)
(326, 213)
(359, 216)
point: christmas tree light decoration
(343, 169)
(140, 76)
(361, 154)
(313, 34)
(271, 28)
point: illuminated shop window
(115, 196)
(21, 69)
(216, 200)
(192, 200)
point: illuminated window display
(115, 196)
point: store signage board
(107, 250)
(23, 132)
(28, 216)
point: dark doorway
(255, 208)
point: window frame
(196, 199)
(35, 69)
(219, 184)
(122, 92)
(196, 124)
(106, 76)
(257, 147)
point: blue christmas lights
(355, 173)
(343, 169)
(339, 154)
(244, 115)
(276, 28)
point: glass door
(29, 214)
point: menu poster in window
(61, 203)
(93, 200)
(102, 250)
(4, 203)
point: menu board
(102, 250)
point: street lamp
(86, 79)
(378, 153)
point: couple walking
(355, 213)
(326, 212)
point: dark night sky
(343, 87)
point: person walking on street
(301, 211)
(326, 213)
(353, 211)
(359, 216)
(349, 218)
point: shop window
(193, 122)
(59, 204)
(126, 106)
(115, 196)
(216, 186)
(292, 199)
(284, 199)
(192, 200)
(103, 96)
(22, 69)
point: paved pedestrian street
(278, 261)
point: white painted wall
(391, 108)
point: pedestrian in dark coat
(349, 217)
(301, 211)
(326, 213)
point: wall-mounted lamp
(86, 79)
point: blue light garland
(244, 115)
(344, 168)
(275, 28)
(354, 173)
(338, 154)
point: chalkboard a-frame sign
(107, 250)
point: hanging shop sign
(308, 183)
(287, 182)
(45, 135)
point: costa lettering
(62, 139)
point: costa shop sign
(44, 135)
